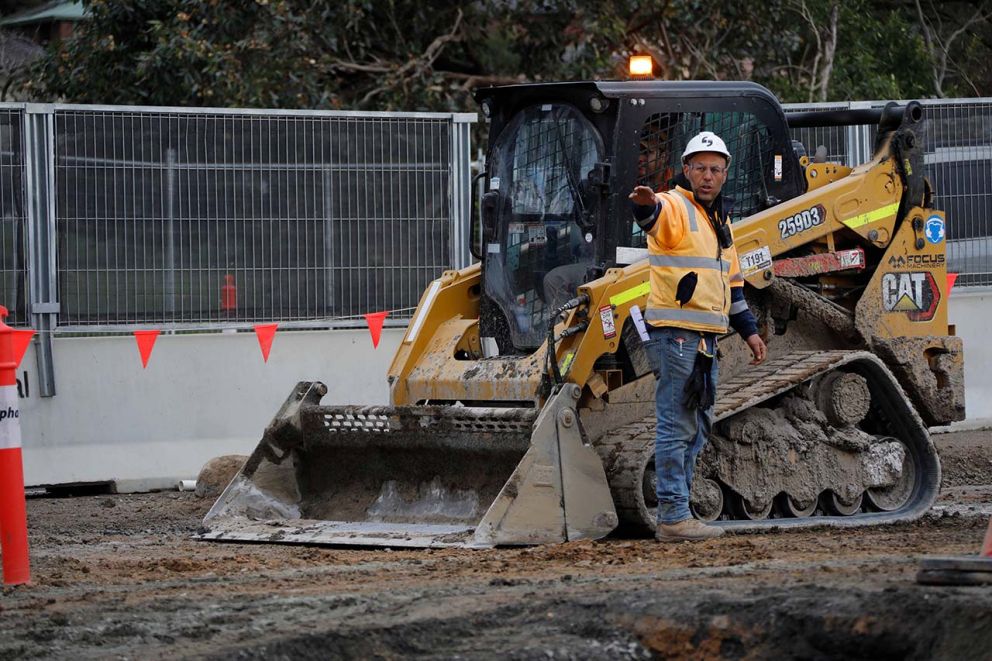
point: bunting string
(172, 328)
(145, 338)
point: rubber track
(628, 450)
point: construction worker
(696, 290)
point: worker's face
(706, 172)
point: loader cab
(562, 159)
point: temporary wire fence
(204, 218)
(13, 226)
(958, 162)
(184, 218)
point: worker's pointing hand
(758, 349)
(643, 196)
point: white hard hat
(706, 141)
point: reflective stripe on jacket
(683, 240)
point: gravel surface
(120, 577)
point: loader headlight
(598, 104)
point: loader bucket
(416, 476)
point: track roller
(793, 509)
(891, 498)
(833, 504)
(707, 499)
(742, 509)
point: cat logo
(914, 293)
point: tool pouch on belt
(700, 391)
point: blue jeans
(680, 433)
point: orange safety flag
(22, 338)
(951, 278)
(265, 333)
(374, 320)
(146, 342)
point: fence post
(461, 189)
(39, 188)
(859, 142)
(331, 307)
(170, 235)
(13, 509)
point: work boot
(687, 530)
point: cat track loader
(522, 406)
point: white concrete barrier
(201, 396)
(971, 313)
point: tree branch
(828, 54)
(418, 65)
(364, 68)
(814, 74)
(940, 48)
(928, 41)
(470, 80)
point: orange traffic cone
(13, 509)
(987, 544)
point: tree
(406, 55)
(283, 53)
(952, 31)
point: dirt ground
(120, 577)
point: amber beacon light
(641, 66)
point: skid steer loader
(522, 401)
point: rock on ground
(217, 473)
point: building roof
(49, 11)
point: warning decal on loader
(609, 328)
(756, 260)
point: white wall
(201, 396)
(971, 312)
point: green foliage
(890, 47)
(278, 53)
(407, 55)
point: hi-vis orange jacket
(680, 242)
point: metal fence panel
(958, 162)
(316, 217)
(833, 138)
(307, 217)
(13, 225)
